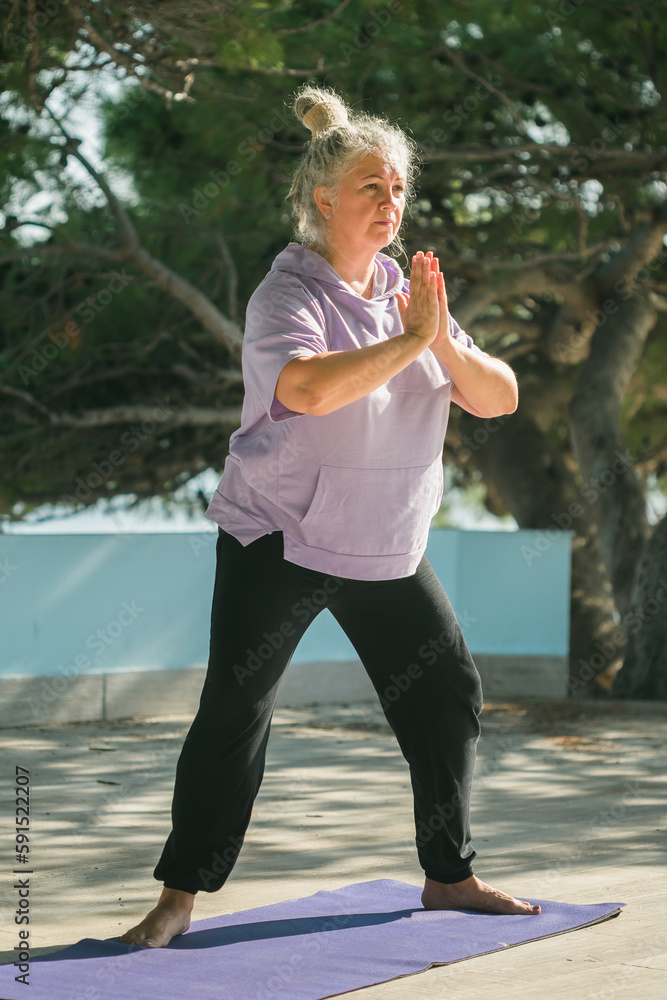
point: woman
(325, 501)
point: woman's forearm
(325, 382)
(488, 384)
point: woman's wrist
(421, 337)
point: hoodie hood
(300, 260)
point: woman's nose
(390, 199)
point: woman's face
(370, 204)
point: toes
(528, 907)
(134, 936)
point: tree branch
(122, 59)
(57, 249)
(131, 250)
(190, 416)
(644, 246)
(305, 73)
(471, 302)
(546, 258)
(127, 231)
(176, 415)
(626, 157)
(26, 397)
(457, 60)
(503, 325)
(313, 24)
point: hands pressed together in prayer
(483, 385)
(424, 312)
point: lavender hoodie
(353, 491)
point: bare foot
(472, 894)
(170, 917)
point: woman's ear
(322, 198)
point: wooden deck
(569, 804)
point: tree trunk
(529, 475)
(644, 672)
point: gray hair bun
(320, 110)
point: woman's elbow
(513, 405)
(302, 401)
(508, 400)
(505, 410)
(314, 406)
(501, 408)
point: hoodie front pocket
(372, 512)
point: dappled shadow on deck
(560, 787)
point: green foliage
(205, 183)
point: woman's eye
(398, 187)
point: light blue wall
(80, 604)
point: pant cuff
(449, 878)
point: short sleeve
(283, 321)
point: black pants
(410, 643)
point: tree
(543, 193)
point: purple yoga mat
(304, 949)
